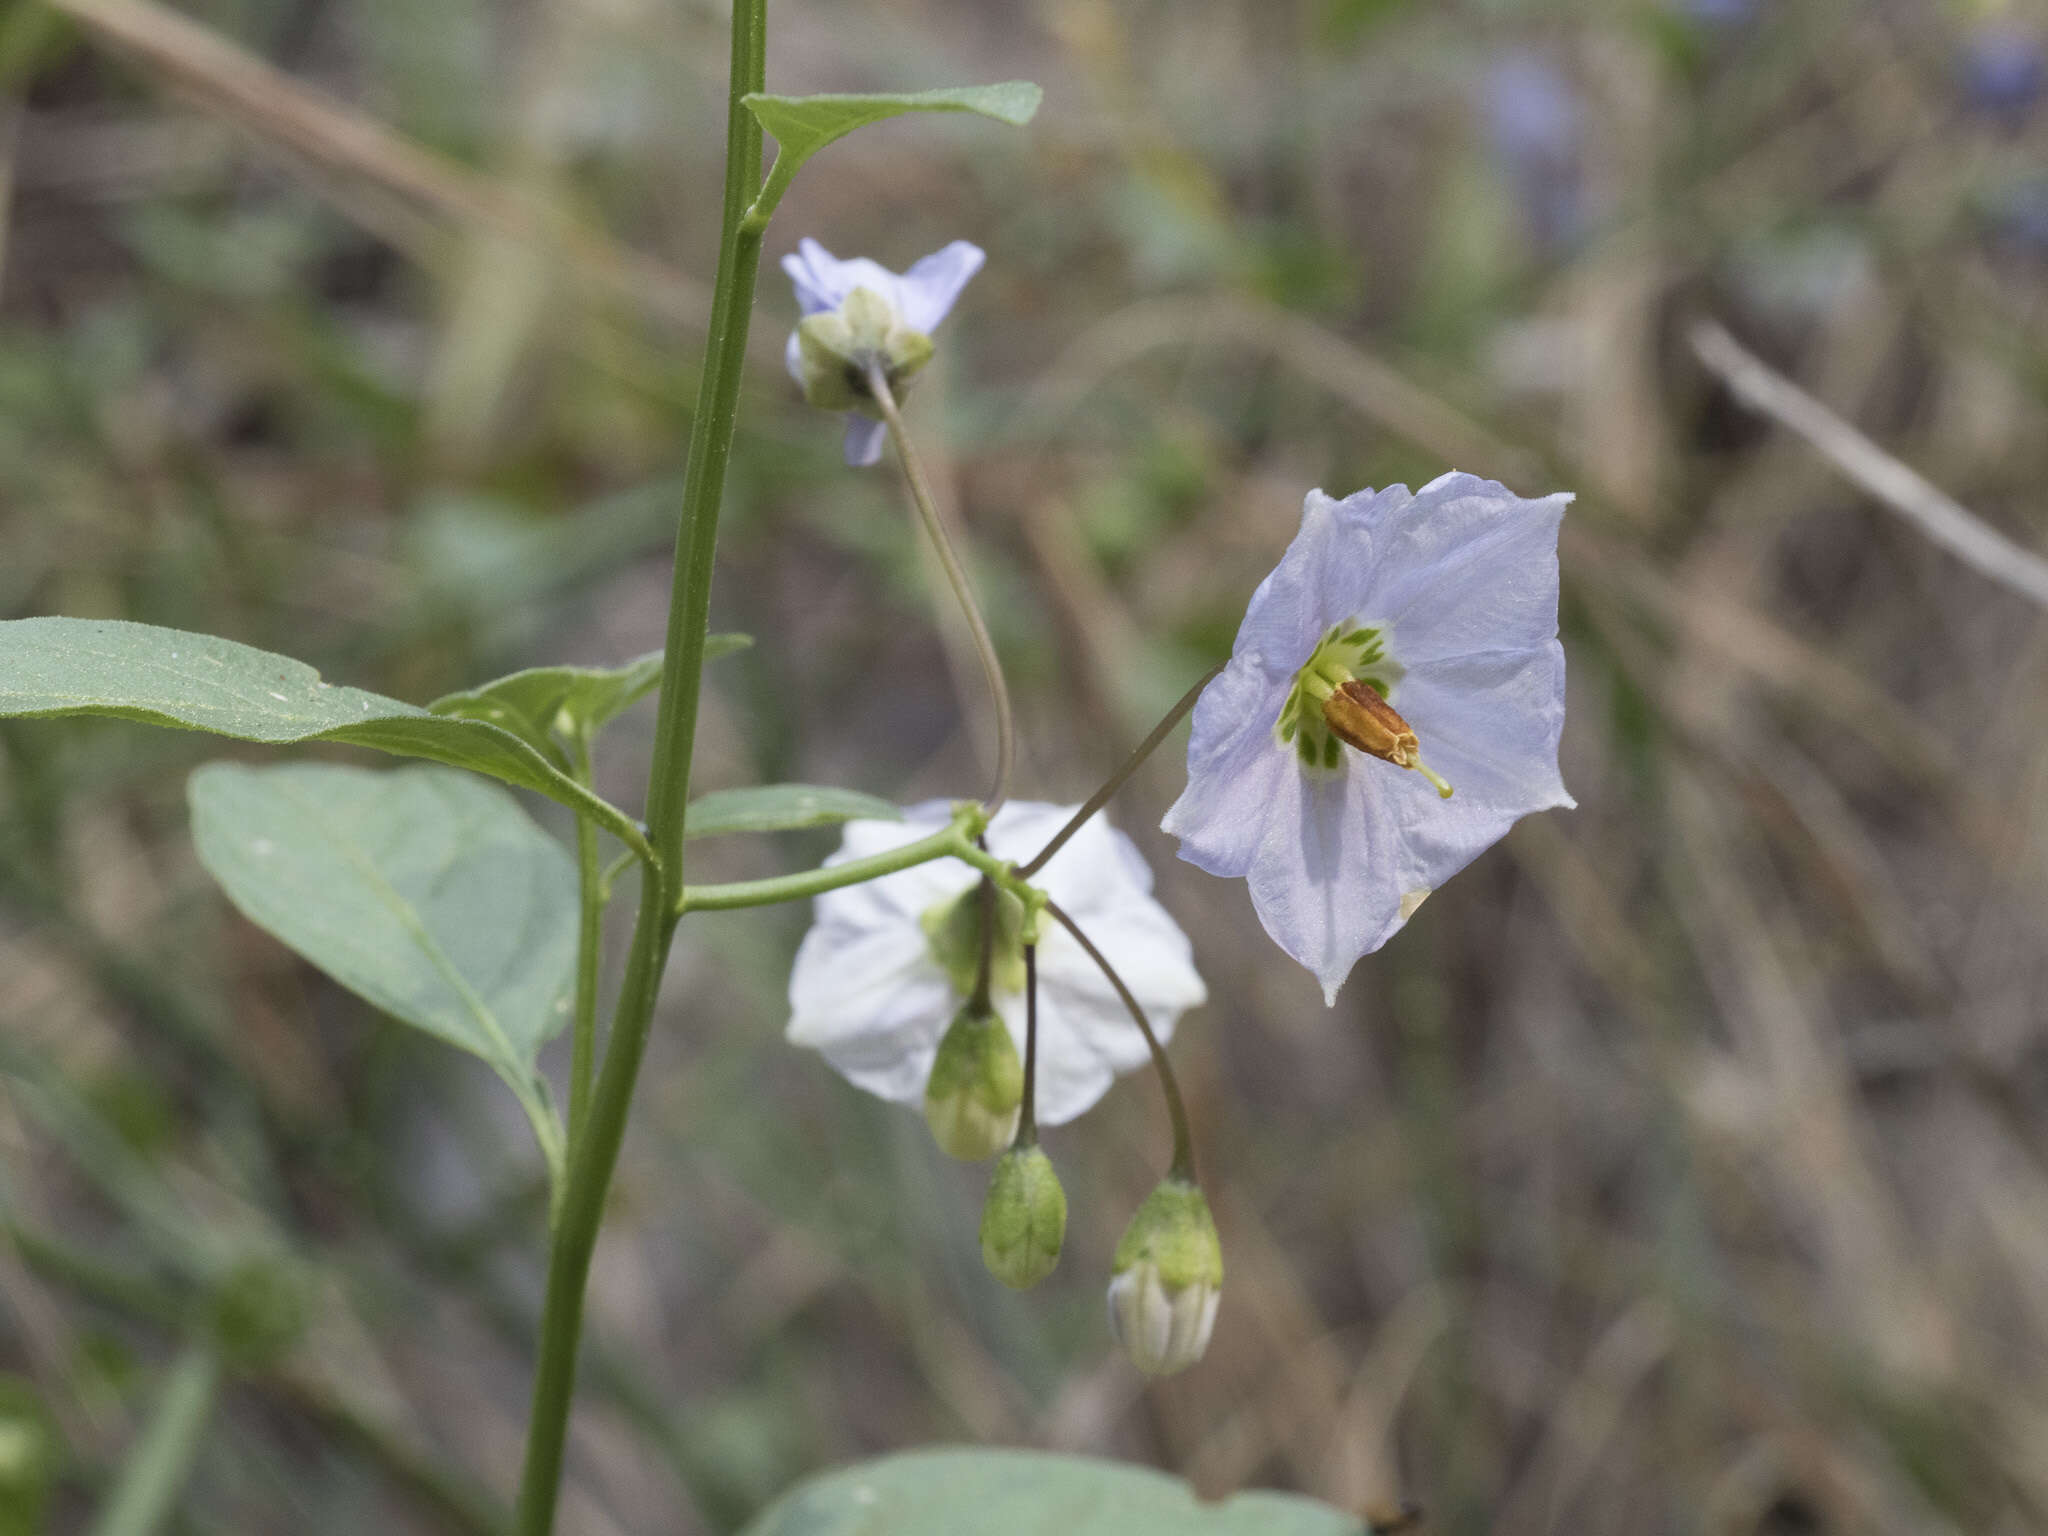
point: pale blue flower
(1444, 604)
(2003, 69)
(919, 299)
(875, 986)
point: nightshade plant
(1401, 638)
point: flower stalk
(1115, 781)
(1183, 1165)
(1027, 1122)
(956, 576)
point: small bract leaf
(781, 808)
(803, 125)
(1030, 1493)
(425, 892)
(527, 703)
(57, 666)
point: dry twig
(1939, 516)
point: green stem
(979, 1001)
(953, 842)
(1027, 1122)
(956, 576)
(589, 949)
(1115, 781)
(595, 1152)
(161, 1460)
(1176, 1111)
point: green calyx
(1175, 1234)
(975, 1095)
(1346, 652)
(1024, 1220)
(837, 347)
(953, 929)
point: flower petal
(873, 1003)
(1490, 724)
(1022, 827)
(814, 272)
(1234, 769)
(1149, 951)
(1098, 867)
(925, 293)
(864, 436)
(1085, 1034)
(1329, 875)
(1285, 617)
(1466, 566)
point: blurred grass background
(1681, 1167)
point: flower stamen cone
(1360, 717)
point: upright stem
(161, 1459)
(589, 949)
(1115, 781)
(596, 1149)
(1176, 1111)
(956, 576)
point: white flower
(912, 305)
(879, 977)
(1441, 606)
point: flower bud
(836, 347)
(976, 1091)
(1166, 1280)
(1024, 1220)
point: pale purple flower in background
(1534, 126)
(1437, 612)
(919, 299)
(874, 992)
(2003, 69)
(1718, 13)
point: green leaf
(527, 703)
(781, 808)
(425, 892)
(803, 125)
(1029, 1493)
(57, 666)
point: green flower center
(1349, 651)
(953, 929)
